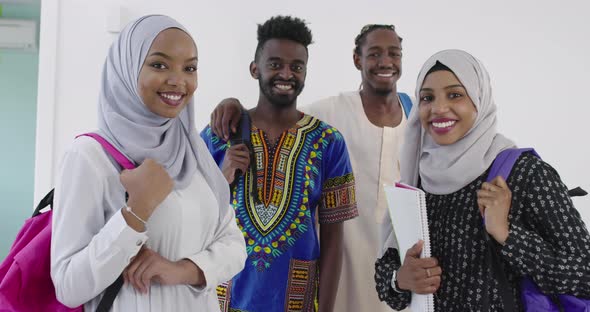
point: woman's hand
(226, 115)
(148, 267)
(147, 185)
(236, 157)
(494, 200)
(419, 275)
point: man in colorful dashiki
(296, 170)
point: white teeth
(385, 75)
(171, 97)
(444, 124)
(283, 87)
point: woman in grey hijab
(175, 238)
(450, 144)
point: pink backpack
(25, 280)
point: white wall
(536, 52)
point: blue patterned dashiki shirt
(306, 172)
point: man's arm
(330, 264)
(226, 117)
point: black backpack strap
(46, 201)
(110, 294)
(578, 191)
(242, 136)
(497, 270)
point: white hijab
(126, 122)
(447, 169)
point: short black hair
(361, 38)
(283, 27)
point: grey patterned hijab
(447, 169)
(126, 122)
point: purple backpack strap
(118, 156)
(504, 162)
(501, 166)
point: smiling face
(281, 70)
(168, 76)
(380, 61)
(446, 111)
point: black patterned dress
(548, 241)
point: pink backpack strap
(118, 156)
(111, 292)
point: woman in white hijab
(175, 238)
(450, 143)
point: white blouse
(92, 244)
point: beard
(280, 100)
(383, 91)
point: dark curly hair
(283, 27)
(361, 38)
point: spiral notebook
(407, 209)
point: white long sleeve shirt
(374, 154)
(92, 244)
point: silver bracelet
(128, 209)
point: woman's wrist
(395, 285)
(141, 209)
(132, 221)
(502, 237)
(500, 234)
